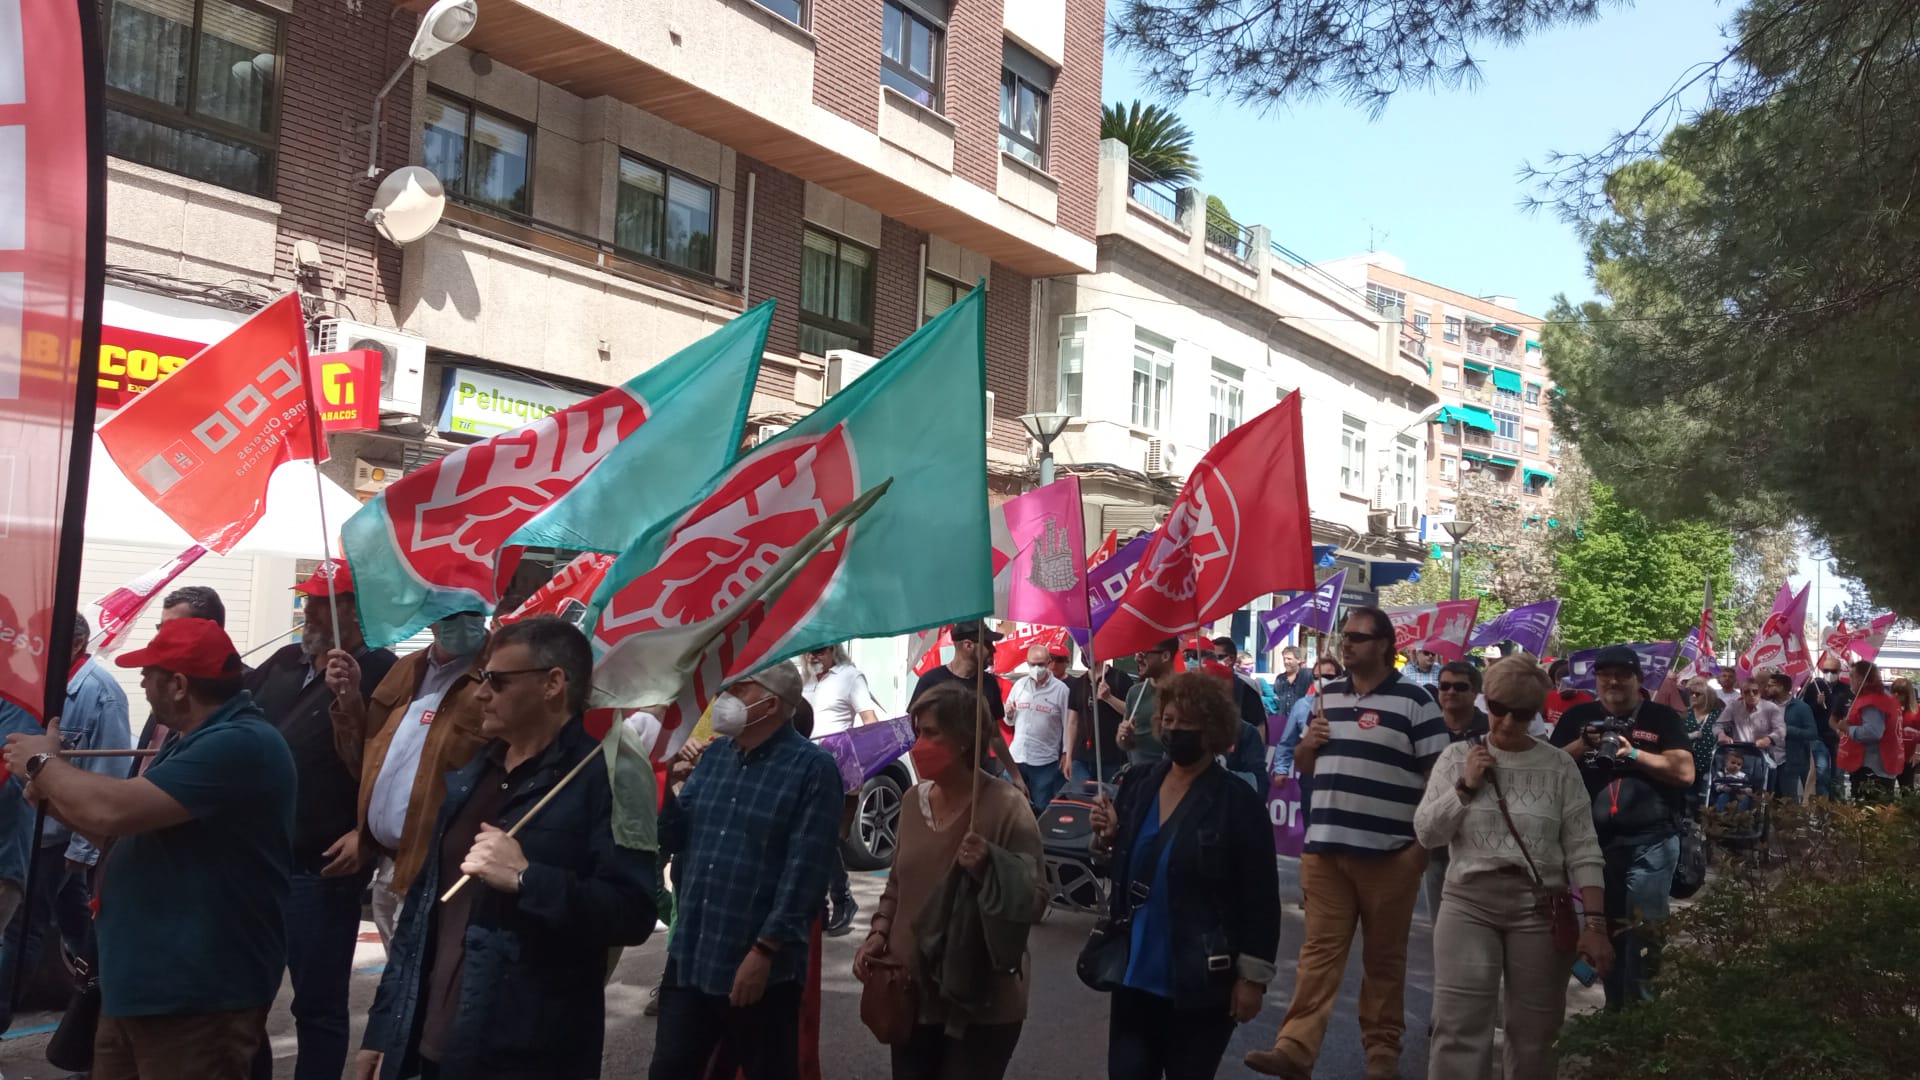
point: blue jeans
(1043, 783)
(59, 897)
(1639, 878)
(1823, 779)
(323, 925)
(1083, 770)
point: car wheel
(875, 831)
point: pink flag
(115, 612)
(1782, 643)
(1845, 642)
(1040, 557)
(1441, 629)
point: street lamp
(1045, 427)
(1458, 529)
(444, 24)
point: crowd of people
(1541, 825)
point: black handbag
(1690, 870)
(1103, 961)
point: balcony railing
(1160, 198)
(1475, 439)
(1232, 240)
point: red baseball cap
(335, 571)
(196, 648)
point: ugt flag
(1782, 642)
(1039, 554)
(1314, 610)
(567, 594)
(917, 419)
(1440, 629)
(201, 444)
(115, 613)
(1240, 528)
(445, 539)
(1528, 626)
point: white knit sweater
(1549, 805)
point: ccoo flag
(442, 540)
(1528, 626)
(1239, 529)
(918, 419)
(1312, 610)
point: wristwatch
(36, 763)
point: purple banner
(1289, 824)
(862, 751)
(1527, 626)
(1314, 610)
(1690, 663)
(1106, 583)
(1656, 659)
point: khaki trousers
(1491, 928)
(1377, 895)
(207, 1046)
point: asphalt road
(1064, 1039)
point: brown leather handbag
(1558, 903)
(890, 1002)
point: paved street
(1065, 1037)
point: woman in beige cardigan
(1493, 922)
(959, 816)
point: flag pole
(979, 722)
(597, 755)
(317, 443)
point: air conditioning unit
(763, 432)
(1379, 522)
(403, 359)
(371, 479)
(1162, 459)
(844, 366)
(1406, 517)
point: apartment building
(1489, 374)
(621, 179)
(1186, 330)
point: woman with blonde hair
(1701, 715)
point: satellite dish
(408, 204)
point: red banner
(202, 444)
(115, 613)
(569, 592)
(47, 173)
(1441, 629)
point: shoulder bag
(1558, 903)
(890, 1002)
(1109, 949)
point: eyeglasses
(1361, 637)
(1458, 687)
(497, 680)
(1498, 709)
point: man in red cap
(192, 922)
(298, 688)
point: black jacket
(1224, 886)
(532, 982)
(1828, 703)
(327, 792)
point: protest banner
(1314, 611)
(1440, 628)
(1040, 556)
(1528, 626)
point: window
(1073, 359)
(664, 215)
(480, 157)
(1446, 467)
(1451, 329)
(1152, 379)
(1449, 375)
(1508, 424)
(1353, 456)
(1227, 400)
(1391, 303)
(1533, 354)
(938, 294)
(192, 89)
(1534, 484)
(836, 294)
(910, 51)
(1423, 323)
(1406, 470)
(1026, 82)
(794, 11)
(1506, 399)
(1530, 442)
(1533, 394)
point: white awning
(118, 514)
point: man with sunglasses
(1373, 739)
(506, 977)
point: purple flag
(1106, 584)
(863, 750)
(1527, 626)
(1656, 659)
(1314, 610)
(1689, 662)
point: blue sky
(1435, 177)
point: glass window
(1073, 361)
(1450, 330)
(941, 294)
(191, 89)
(1406, 470)
(1227, 401)
(480, 158)
(836, 294)
(1023, 114)
(1422, 322)
(1391, 303)
(1152, 379)
(794, 11)
(1449, 375)
(1531, 441)
(1533, 394)
(910, 54)
(1353, 456)
(1508, 425)
(663, 215)
(1446, 467)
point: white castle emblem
(1054, 567)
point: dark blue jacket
(1802, 732)
(532, 1002)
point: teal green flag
(922, 556)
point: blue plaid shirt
(753, 838)
(1428, 680)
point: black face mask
(1184, 746)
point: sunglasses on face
(1361, 637)
(497, 680)
(1498, 709)
(1457, 687)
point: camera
(1615, 732)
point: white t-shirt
(393, 789)
(838, 698)
(1039, 718)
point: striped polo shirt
(1370, 775)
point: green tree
(1624, 577)
(1159, 145)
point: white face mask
(1040, 672)
(730, 715)
(1829, 676)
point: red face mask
(930, 759)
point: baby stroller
(1737, 797)
(1066, 835)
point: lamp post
(1458, 529)
(1045, 427)
(444, 24)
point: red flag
(1441, 629)
(116, 611)
(569, 592)
(201, 444)
(52, 241)
(1239, 529)
(1106, 549)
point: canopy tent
(1506, 380)
(1467, 415)
(118, 514)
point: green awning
(1477, 319)
(1478, 365)
(1557, 392)
(1533, 346)
(1468, 415)
(1531, 385)
(1476, 455)
(1506, 380)
(1528, 476)
(1502, 459)
(1503, 328)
